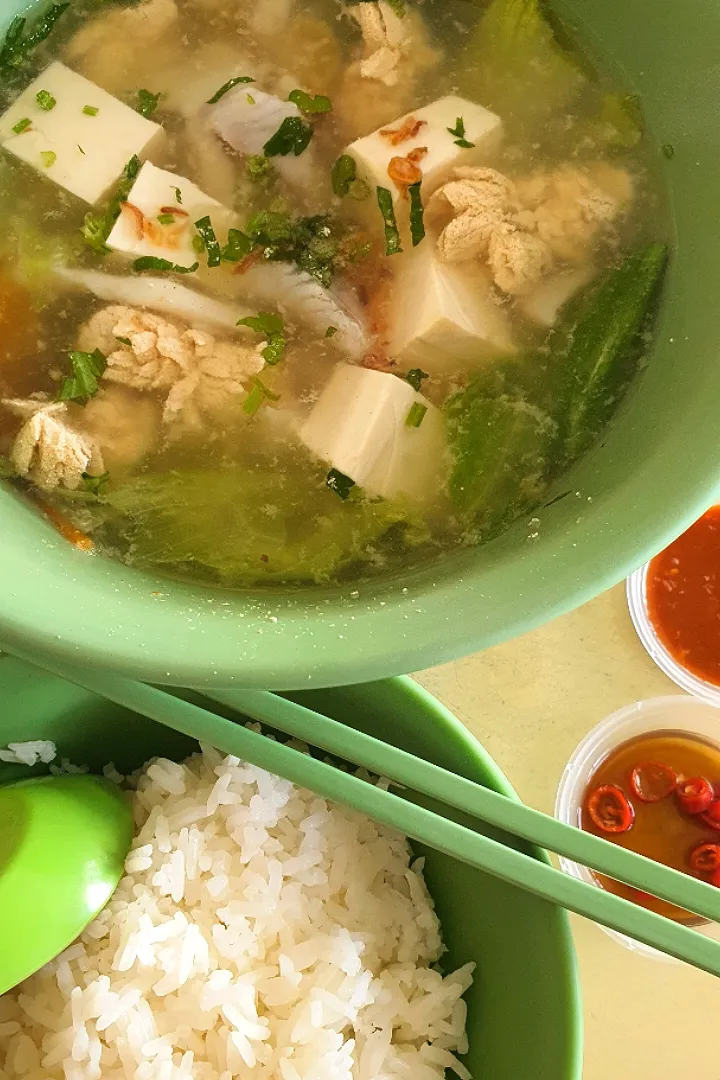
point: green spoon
(63, 842)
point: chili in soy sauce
(659, 795)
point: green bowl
(655, 472)
(524, 1006)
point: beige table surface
(529, 702)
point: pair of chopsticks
(426, 826)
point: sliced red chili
(610, 809)
(705, 858)
(711, 817)
(695, 794)
(652, 781)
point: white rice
(260, 933)
(29, 753)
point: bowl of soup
(335, 343)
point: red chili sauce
(683, 597)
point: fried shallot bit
(408, 130)
(175, 210)
(138, 216)
(405, 171)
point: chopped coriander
(271, 327)
(344, 172)
(397, 7)
(415, 377)
(238, 246)
(226, 87)
(48, 158)
(250, 99)
(258, 166)
(331, 331)
(392, 234)
(309, 103)
(212, 246)
(87, 368)
(259, 394)
(124, 340)
(150, 262)
(18, 45)
(668, 150)
(97, 227)
(178, 196)
(417, 215)
(147, 103)
(95, 484)
(22, 125)
(459, 134)
(198, 245)
(338, 482)
(292, 137)
(45, 100)
(81, 150)
(166, 219)
(416, 415)
(90, 110)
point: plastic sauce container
(674, 603)
(680, 715)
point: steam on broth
(301, 291)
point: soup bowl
(524, 1004)
(654, 472)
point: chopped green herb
(258, 167)
(397, 7)
(124, 340)
(147, 103)
(359, 190)
(392, 234)
(81, 150)
(238, 246)
(95, 484)
(359, 251)
(97, 227)
(150, 262)
(212, 246)
(668, 150)
(48, 158)
(331, 331)
(344, 172)
(271, 327)
(250, 99)
(198, 245)
(45, 100)
(87, 368)
(17, 46)
(416, 414)
(338, 482)
(178, 196)
(259, 394)
(308, 242)
(417, 214)
(416, 377)
(309, 103)
(458, 132)
(166, 219)
(292, 137)
(226, 87)
(91, 110)
(22, 125)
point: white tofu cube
(90, 149)
(444, 315)
(359, 426)
(544, 303)
(483, 128)
(154, 195)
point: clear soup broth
(297, 291)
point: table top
(529, 702)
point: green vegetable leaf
(147, 103)
(166, 219)
(601, 351)
(271, 327)
(308, 242)
(151, 262)
(292, 137)
(258, 167)
(96, 485)
(178, 196)
(459, 134)
(212, 245)
(331, 331)
(344, 179)
(87, 368)
(238, 246)
(393, 245)
(18, 45)
(258, 395)
(417, 214)
(310, 104)
(416, 377)
(226, 87)
(338, 482)
(397, 7)
(45, 100)
(416, 414)
(48, 158)
(97, 227)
